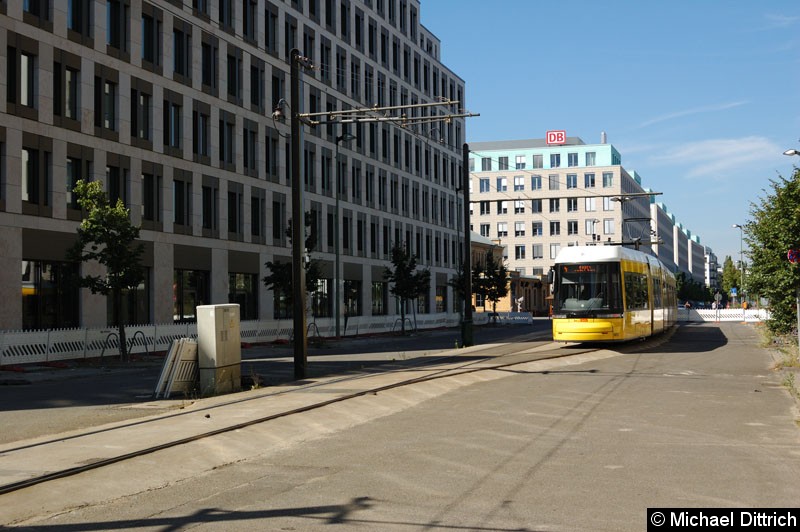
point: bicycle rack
(105, 343)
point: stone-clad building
(170, 103)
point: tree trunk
(403, 316)
(123, 344)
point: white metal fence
(32, 347)
(734, 314)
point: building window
(117, 24)
(538, 161)
(555, 204)
(483, 185)
(502, 229)
(502, 163)
(519, 206)
(590, 158)
(555, 228)
(588, 180)
(536, 182)
(608, 179)
(555, 160)
(235, 218)
(36, 178)
(537, 251)
(484, 228)
(502, 184)
(553, 182)
(590, 204)
(182, 199)
(234, 70)
(172, 124)
(352, 298)
(243, 290)
(536, 205)
(572, 159)
(271, 28)
(201, 131)
(22, 81)
(519, 183)
(182, 52)
(380, 297)
(66, 89)
(519, 228)
(210, 199)
(520, 162)
(536, 229)
(152, 28)
(486, 164)
(608, 204)
(608, 226)
(572, 180)
(227, 147)
(209, 52)
(572, 204)
(250, 149)
(49, 299)
(191, 288)
(141, 113)
(152, 183)
(519, 252)
(118, 184)
(554, 249)
(572, 227)
(502, 207)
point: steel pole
(338, 245)
(298, 226)
(466, 326)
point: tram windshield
(583, 288)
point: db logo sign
(556, 137)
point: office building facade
(170, 104)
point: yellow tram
(610, 293)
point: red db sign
(556, 137)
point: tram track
(490, 358)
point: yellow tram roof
(579, 254)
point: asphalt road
(699, 421)
(49, 400)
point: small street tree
(279, 278)
(408, 282)
(107, 236)
(495, 280)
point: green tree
(772, 232)
(107, 236)
(279, 278)
(408, 283)
(496, 280)
(731, 276)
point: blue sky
(700, 98)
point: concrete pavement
(22, 460)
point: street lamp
(791, 152)
(594, 221)
(741, 254)
(345, 137)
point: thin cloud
(779, 21)
(696, 110)
(719, 158)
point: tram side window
(635, 291)
(657, 293)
